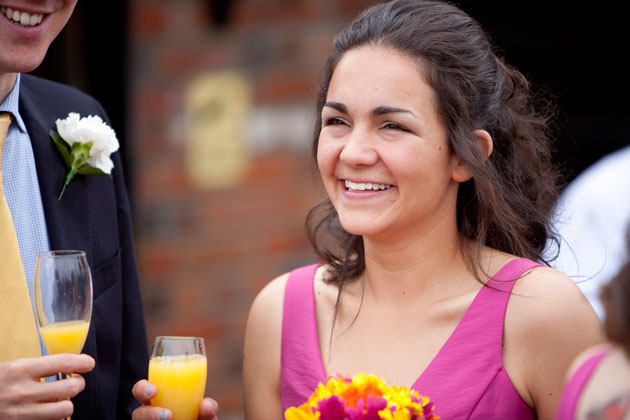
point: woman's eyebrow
(381, 110)
(338, 106)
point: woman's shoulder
(548, 323)
(543, 301)
(586, 355)
(265, 313)
(544, 294)
(608, 387)
(540, 293)
(269, 299)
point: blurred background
(213, 104)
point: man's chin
(10, 67)
(22, 63)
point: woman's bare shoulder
(546, 284)
(548, 323)
(608, 388)
(272, 291)
(261, 352)
(545, 300)
(268, 304)
(266, 310)
(264, 331)
(586, 355)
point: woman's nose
(358, 149)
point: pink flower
(370, 412)
(332, 409)
(364, 397)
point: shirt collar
(11, 105)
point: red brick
(177, 61)
(156, 259)
(249, 13)
(156, 103)
(351, 8)
(148, 21)
(284, 86)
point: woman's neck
(416, 266)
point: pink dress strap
(467, 379)
(567, 406)
(301, 362)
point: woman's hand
(24, 396)
(143, 391)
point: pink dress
(567, 407)
(465, 380)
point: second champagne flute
(178, 370)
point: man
(93, 215)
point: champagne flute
(178, 369)
(63, 300)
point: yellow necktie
(18, 332)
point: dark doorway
(573, 50)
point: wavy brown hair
(508, 201)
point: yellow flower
(363, 397)
(302, 412)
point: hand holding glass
(63, 300)
(178, 369)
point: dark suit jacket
(93, 215)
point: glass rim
(177, 337)
(62, 253)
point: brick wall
(205, 251)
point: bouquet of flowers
(364, 397)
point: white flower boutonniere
(85, 145)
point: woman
(599, 383)
(437, 172)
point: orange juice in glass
(178, 369)
(64, 337)
(62, 291)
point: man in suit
(93, 215)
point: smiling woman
(388, 135)
(436, 164)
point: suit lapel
(67, 221)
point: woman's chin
(359, 227)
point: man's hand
(24, 396)
(143, 391)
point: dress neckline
(495, 284)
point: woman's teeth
(23, 18)
(362, 186)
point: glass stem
(60, 377)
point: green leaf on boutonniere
(90, 170)
(62, 147)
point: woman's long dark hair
(508, 201)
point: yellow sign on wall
(217, 106)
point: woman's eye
(394, 126)
(334, 121)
